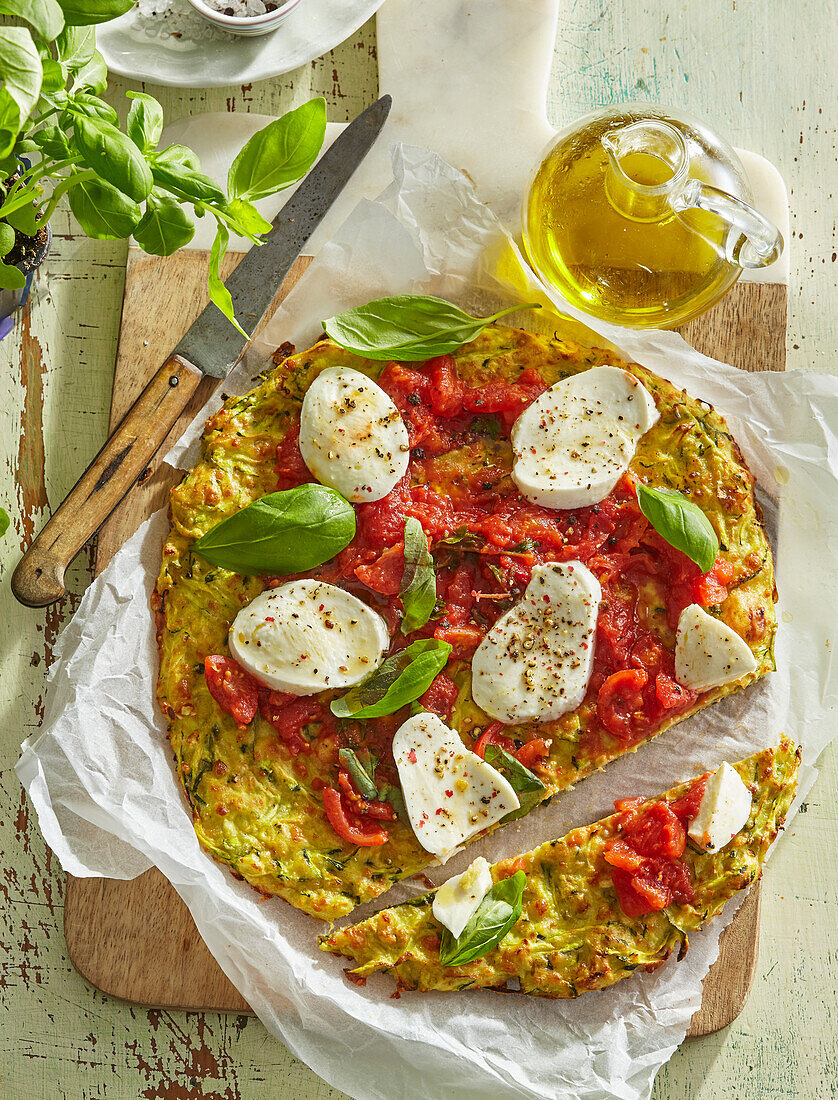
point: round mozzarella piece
(572, 444)
(724, 810)
(450, 794)
(458, 899)
(536, 661)
(708, 653)
(307, 636)
(352, 436)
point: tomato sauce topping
(485, 540)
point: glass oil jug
(640, 216)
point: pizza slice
(585, 911)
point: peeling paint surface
(760, 72)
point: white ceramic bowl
(247, 26)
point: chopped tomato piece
(465, 639)
(620, 854)
(670, 694)
(441, 696)
(350, 826)
(711, 588)
(632, 903)
(288, 719)
(492, 735)
(290, 468)
(657, 832)
(233, 688)
(384, 575)
(446, 392)
(686, 807)
(533, 752)
(619, 699)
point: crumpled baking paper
(100, 772)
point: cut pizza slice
(583, 912)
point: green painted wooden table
(763, 71)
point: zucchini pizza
(402, 602)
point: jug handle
(759, 242)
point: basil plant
(59, 137)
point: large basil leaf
(112, 156)
(495, 916)
(45, 16)
(182, 179)
(279, 154)
(92, 76)
(400, 680)
(75, 47)
(53, 142)
(681, 522)
(418, 586)
(526, 785)
(165, 227)
(82, 13)
(102, 211)
(20, 73)
(408, 326)
(285, 532)
(145, 121)
(177, 156)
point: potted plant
(59, 137)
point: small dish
(247, 26)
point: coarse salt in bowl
(249, 17)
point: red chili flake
(449, 794)
(270, 619)
(412, 756)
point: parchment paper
(100, 773)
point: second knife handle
(38, 579)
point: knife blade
(210, 348)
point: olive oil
(602, 224)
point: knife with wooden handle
(210, 348)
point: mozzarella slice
(724, 810)
(352, 436)
(306, 636)
(458, 899)
(708, 653)
(536, 661)
(572, 444)
(450, 793)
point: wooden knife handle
(39, 577)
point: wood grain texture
(763, 73)
(135, 940)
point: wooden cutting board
(136, 940)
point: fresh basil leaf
(408, 326)
(285, 532)
(183, 181)
(418, 586)
(394, 796)
(20, 72)
(112, 156)
(464, 538)
(525, 783)
(4, 521)
(102, 211)
(45, 16)
(11, 278)
(279, 154)
(219, 295)
(7, 238)
(53, 78)
(525, 546)
(24, 220)
(396, 682)
(90, 105)
(165, 227)
(93, 76)
(363, 780)
(82, 13)
(681, 522)
(494, 918)
(247, 217)
(145, 121)
(75, 47)
(53, 142)
(177, 156)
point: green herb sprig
(117, 181)
(495, 916)
(681, 522)
(285, 532)
(408, 327)
(526, 784)
(418, 586)
(396, 682)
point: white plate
(182, 50)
